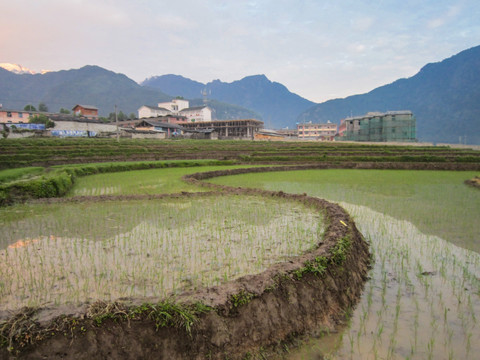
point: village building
(176, 107)
(144, 134)
(15, 116)
(170, 130)
(73, 126)
(269, 135)
(88, 111)
(288, 133)
(228, 129)
(147, 111)
(197, 114)
(392, 126)
(317, 131)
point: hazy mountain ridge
(277, 106)
(444, 96)
(93, 85)
(90, 85)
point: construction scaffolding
(229, 129)
(392, 126)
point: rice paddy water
(75, 252)
(422, 300)
(423, 297)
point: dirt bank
(251, 315)
(475, 182)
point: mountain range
(277, 106)
(444, 96)
(91, 85)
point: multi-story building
(317, 131)
(146, 111)
(392, 126)
(197, 114)
(178, 107)
(15, 116)
(175, 106)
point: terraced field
(113, 240)
(47, 152)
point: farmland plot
(74, 252)
(423, 298)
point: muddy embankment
(253, 315)
(475, 182)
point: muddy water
(422, 301)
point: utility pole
(116, 123)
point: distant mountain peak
(272, 101)
(19, 69)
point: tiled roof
(90, 107)
(194, 108)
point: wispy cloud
(315, 48)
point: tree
(42, 107)
(120, 116)
(132, 116)
(64, 111)
(29, 108)
(41, 119)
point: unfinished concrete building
(229, 129)
(392, 126)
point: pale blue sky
(318, 49)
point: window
(9, 114)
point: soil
(282, 306)
(475, 182)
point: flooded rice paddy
(422, 300)
(76, 252)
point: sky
(319, 50)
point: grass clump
(165, 313)
(241, 298)
(319, 265)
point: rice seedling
(150, 181)
(70, 253)
(421, 282)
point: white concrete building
(175, 106)
(197, 114)
(146, 111)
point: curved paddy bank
(121, 353)
(422, 299)
(235, 319)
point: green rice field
(423, 297)
(422, 300)
(437, 202)
(151, 181)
